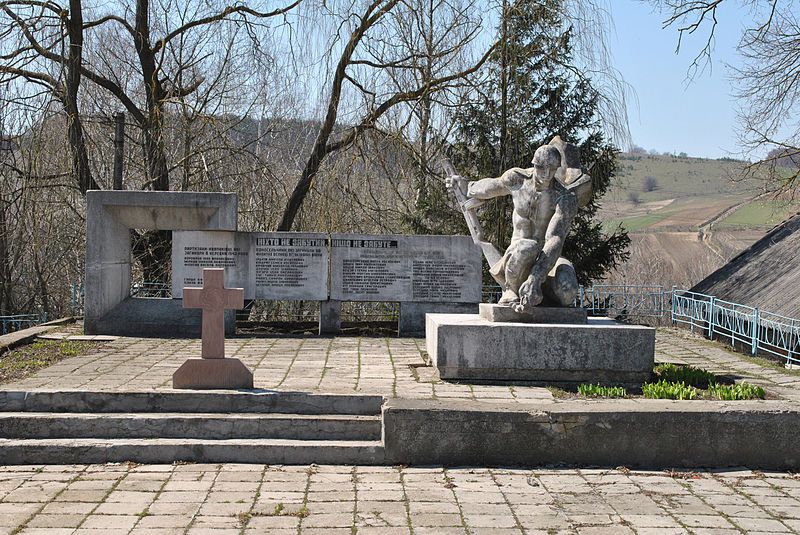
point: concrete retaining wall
(634, 433)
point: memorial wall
(405, 268)
(268, 265)
(342, 267)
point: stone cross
(214, 299)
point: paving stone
(64, 508)
(605, 530)
(90, 496)
(650, 521)
(47, 531)
(715, 531)
(101, 531)
(217, 522)
(110, 522)
(328, 520)
(56, 521)
(704, 521)
(662, 531)
(164, 521)
(128, 497)
(399, 530)
(272, 522)
(326, 531)
(760, 524)
(156, 531)
(212, 531)
(121, 508)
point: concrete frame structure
(110, 216)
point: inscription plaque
(268, 265)
(405, 268)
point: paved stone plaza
(392, 367)
(243, 499)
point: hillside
(686, 216)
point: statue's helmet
(548, 156)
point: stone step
(211, 426)
(169, 450)
(205, 401)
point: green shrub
(735, 392)
(597, 391)
(668, 390)
(689, 375)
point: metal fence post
(711, 318)
(793, 338)
(672, 303)
(756, 321)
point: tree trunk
(320, 149)
(6, 308)
(152, 127)
(77, 142)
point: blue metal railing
(624, 300)
(757, 330)
(21, 321)
(615, 299)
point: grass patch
(689, 375)
(597, 391)
(639, 223)
(677, 177)
(558, 393)
(759, 214)
(736, 392)
(688, 382)
(667, 390)
(26, 360)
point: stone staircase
(269, 427)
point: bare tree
(767, 83)
(361, 63)
(35, 30)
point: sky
(674, 114)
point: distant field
(758, 214)
(695, 219)
(689, 192)
(677, 177)
(678, 214)
(637, 223)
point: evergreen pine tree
(533, 94)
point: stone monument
(534, 333)
(110, 215)
(213, 370)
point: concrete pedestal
(206, 374)
(468, 347)
(502, 313)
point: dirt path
(705, 228)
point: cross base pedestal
(204, 374)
